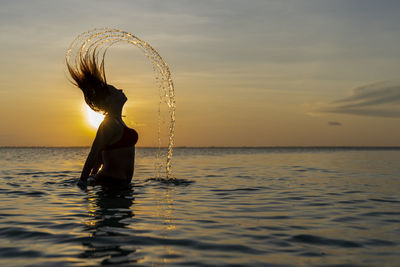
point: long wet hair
(91, 79)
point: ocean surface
(229, 207)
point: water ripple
(10, 252)
(317, 240)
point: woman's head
(115, 99)
(91, 79)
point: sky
(246, 73)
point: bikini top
(129, 138)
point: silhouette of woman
(112, 155)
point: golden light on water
(93, 118)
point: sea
(274, 206)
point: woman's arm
(91, 160)
(103, 136)
(96, 166)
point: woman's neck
(115, 111)
(114, 114)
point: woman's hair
(91, 79)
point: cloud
(334, 123)
(375, 100)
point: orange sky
(264, 73)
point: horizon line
(191, 147)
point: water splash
(98, 41)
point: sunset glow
(93, 118)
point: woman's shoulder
(110, 125)
(110, 122)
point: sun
(93, 118)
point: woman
(112, 155)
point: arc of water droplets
(94, 41)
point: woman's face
(116, 96)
